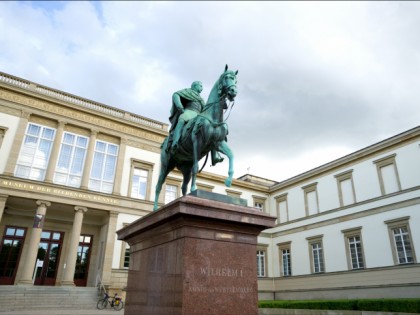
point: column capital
(113, 214)
(3, 197)
(43, 203)
(25, 114)
(94, 132)
(62, 123)
(80, 209)
(124, 140)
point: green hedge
(383, 305)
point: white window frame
(285, 266)
(174, 190)
(398, 255)
(351, 255)
(68, 173)
(259, 203)
(262, 261)
(42, 169)
(318, 260)
(103, 183)
(145, 166)
(123, 254)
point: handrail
(80, 101)
(100, 285)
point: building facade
(74, 171)
(348, 228)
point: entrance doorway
(82, 262)
(10, 250)
(49, 253)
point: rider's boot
(177, 135)
(215, 157)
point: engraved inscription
(56, 191)
(202, 289)
(221, 272)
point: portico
(56, 236)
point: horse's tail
(205, 162)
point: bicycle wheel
(101, 304)
(119, 306)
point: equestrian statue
(197, 129)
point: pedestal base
(194, 256)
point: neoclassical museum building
(74, 171)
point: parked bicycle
(115, 302)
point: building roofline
(365, 152)
(43, 90)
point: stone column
(17, 143)
(70, 265)
(54, 153)
(89, 159)
(109, 248)
(34, 239)
(3, 199)
(119, 169)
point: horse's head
(227, 84)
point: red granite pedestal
(194, 256)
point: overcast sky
(317, 80)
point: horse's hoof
(217, 160)
(228, 182)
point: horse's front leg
(165, 168)
(196, 147)
(224, 148)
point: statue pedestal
(194, 256)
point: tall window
(35, 152)
(401, 241)
(388, 175)
(282, 211)
(139, 183)
(285, 259)
(316, 252)
(287, 267)
(103, 167)
(354, 248)
(126, 262)
(125, 253)
(2, 134)
(346, 188)
(171, 193)
(311, 199)
(318, 258)
(403, 245)
(261, 263)
(259, 202)
(141, 179)
(259, 206)
(71, 160)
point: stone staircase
(19, 298)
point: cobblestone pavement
(63, 312)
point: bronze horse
(200, 135)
